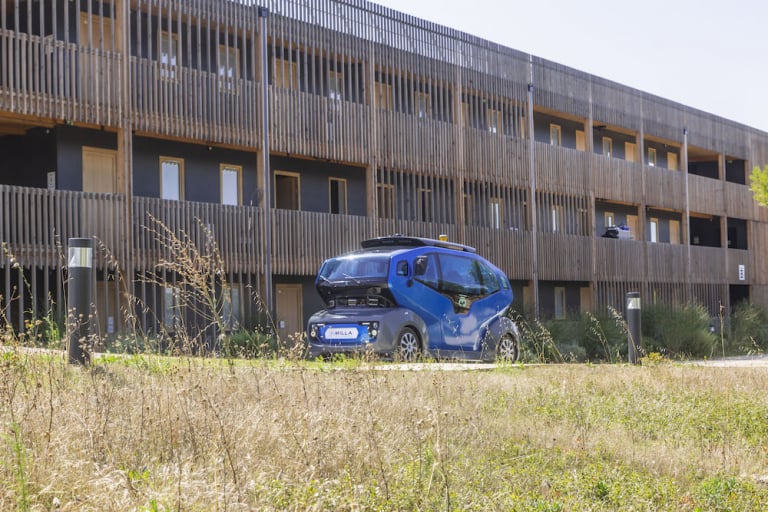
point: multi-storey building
(294, 130)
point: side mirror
(402, 268)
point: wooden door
(99, 170)
(288, 310)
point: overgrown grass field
(153, 433)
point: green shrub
(678, 332)
(748, 330)
(251, 344)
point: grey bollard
(633, 326)
(80, 268)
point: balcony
(36, 223)
(705, 195)
(615, 179)
(407, 141)
(665, 188)
(189, 103)
(562, 170)
(50, 78)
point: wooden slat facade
(438, 122)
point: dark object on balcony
(620, 232)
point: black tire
(507, 349)
(407, 345)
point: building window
(231, 308)
(494, 120)
(421, 100)
(555, 135)
(495, 213)
(171, 308)
(335, 85)
(286, 74)
(654, 223)
(229, 67)
(170, 49)
(386, 197)
(607, 146)
(558, 218)
(469, 209)
(674, 232)
(672, 161)
(287, 187)
(231, 184)
(652, 157)
(465, 120)
(171, 178)
(425, 204)
(560, 305)
(338, 195)
(384, 96)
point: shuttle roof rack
(412, 241)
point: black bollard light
(80, 268)
(633, 325)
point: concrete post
(80, 269)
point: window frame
(418, 96)
(169, 70)
(497, 116)
(557, 213)
(336, 92)
(239, 170)
(425, 203)
(555, 134)
(651, 157)
(653, 230)
(495, 212)
(607, 142)
(171, 309)
(386, 191)
(384, 96)
(560, 303)
(344, 200)
(180, 177)
(224, 66)
(288, 174)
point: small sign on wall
(742, 273)
(51, 180)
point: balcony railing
(705, 195)
(561, 169)
(616, 179)
(46, 77)
(665, 188)
(184, 102)
(303, 123)
(236, 231)
(36, 223)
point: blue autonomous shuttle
(406, 297)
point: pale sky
(708, 54)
